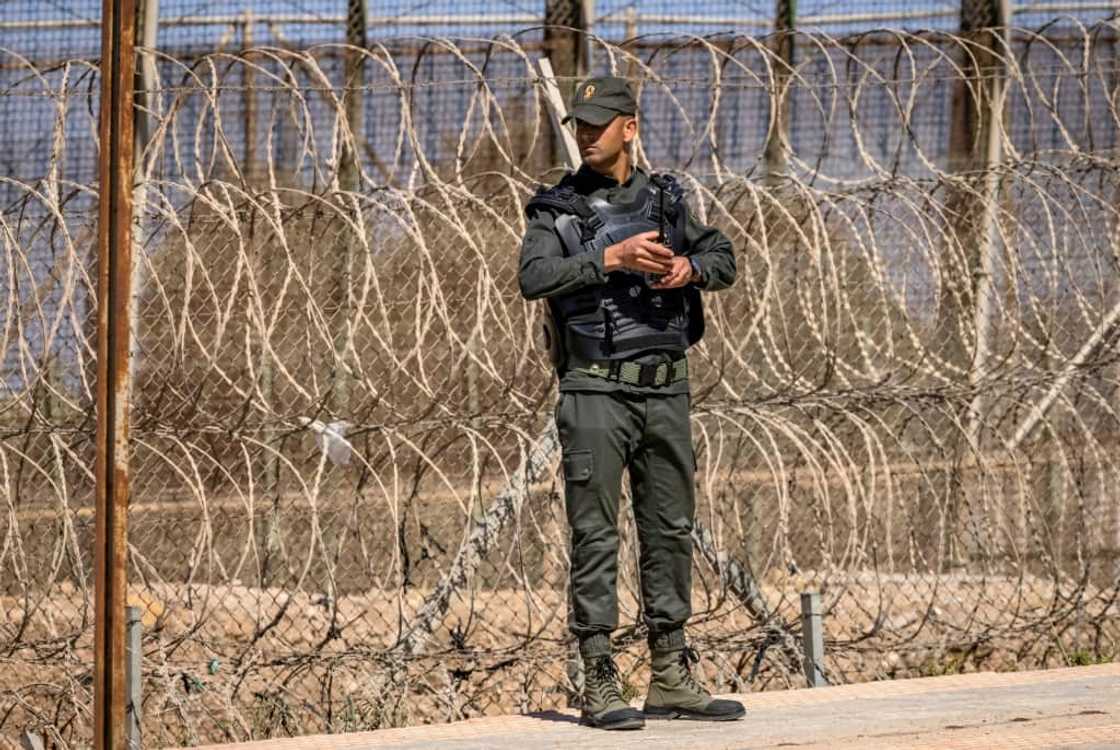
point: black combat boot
(675, 694)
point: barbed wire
(345, 508)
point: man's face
(600, 145)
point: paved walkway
(1060, 708)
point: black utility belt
(634, 373)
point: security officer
(626, 307)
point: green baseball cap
(600, 100)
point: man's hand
(679, 274)
(640, 253)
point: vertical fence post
(355, 76)
(134, 673)
(248, 100)
(563, 43)
(114, 269)
(586, 24)
(1103, 496)
(262, 265)
(989, 132)
(147, 19)
(565, 50)
(776, 151)
(975, 155)
(147, 15)
(349, 180)
(812, 637)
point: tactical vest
(625, 316)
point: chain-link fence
(345, 508)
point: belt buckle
(655, 375)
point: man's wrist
(610, 262)
(697, 272)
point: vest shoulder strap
(562, 198)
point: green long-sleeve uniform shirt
(545, 271)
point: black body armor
(625, 316)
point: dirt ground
(232, 662)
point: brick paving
(1061, 708)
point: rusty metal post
(114, 272)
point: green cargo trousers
(600, 434)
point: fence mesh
(345, 508)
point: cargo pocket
(578, 465)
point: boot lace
(605, 678)
(688, 658)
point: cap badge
(589, 91)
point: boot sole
(663, 713)
(623, 724)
